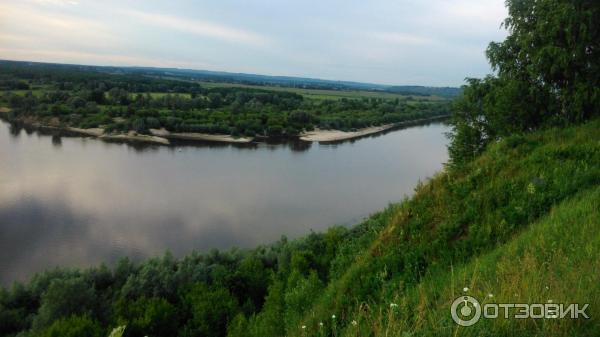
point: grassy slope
(522, 217)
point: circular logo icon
(465, 310)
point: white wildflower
(465, 289)
(354, 323)
(393, 305)
(490, 295)
(332, 316)
(304, 327)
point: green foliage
(452, 219)
(118, 331)
(547, 69)
(147, 317)
(120, 103)
(65, 297)
(412, 254)
(73, 326)
(516, 213)
(211, 310)
(238, 327)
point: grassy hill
(521, 223)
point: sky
(402, 42)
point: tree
(74, 326)
(547, 74)
(553, 45)
(211, 309)
(63, 298)
(147, 317)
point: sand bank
(319, 135)
(132, 136)
(199, 136)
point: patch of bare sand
(199, 136)
(319, 135)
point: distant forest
(123, 99)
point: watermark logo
(466, 310)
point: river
(77, 202)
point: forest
(62, 95)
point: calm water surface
(80, 202)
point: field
(323, 94)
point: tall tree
(547, 74)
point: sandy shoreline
(199, 136)
(162, 136)
(319, 135)
(95, 132)
(136, 137)
(156, 137)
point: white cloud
(402, 38)
(41, 27)
(57, 2)
(201, 28)
(114, 59)
(391, 41)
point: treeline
(214, 294)
(548, 74)
(119, 103)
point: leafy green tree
(74, 326)
(210, 309)
(270, 321)
(553, 45)
(250, 281)
(63, 298)
(238, 327)
(547, 74)
(147, 317)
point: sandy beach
(319, 135)
(95, 132)
(199, 136)
(132, 136)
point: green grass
(322, 94)
(555, 259)
(522, 217)
(162, 94)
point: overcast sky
(423, 42)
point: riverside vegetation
(514, 217)
(72, 96)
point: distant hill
(256, 79)
(447, 92)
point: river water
(77, 202)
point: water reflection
(71, 201)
